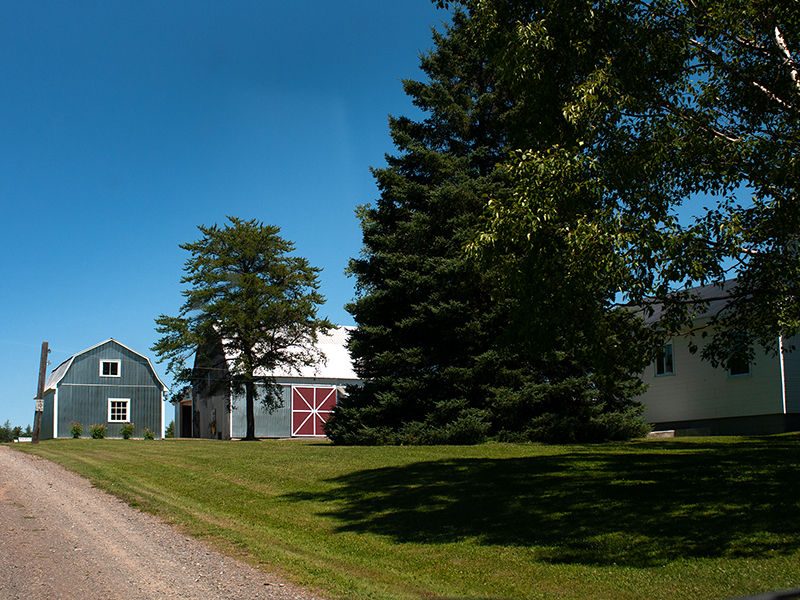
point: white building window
(739, 367)
(739, 363)
(110, 368)
(665, 364)
(119, 410)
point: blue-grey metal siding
(277, 423)
(83, 393)
(46, 428)
(88, 405)
(135, 370)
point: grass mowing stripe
(698, 518)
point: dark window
(664, 363)
(739, 364)
(738, 367)
(109, 368)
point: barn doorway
(186, 421)
(311, 407)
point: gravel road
(60, 538)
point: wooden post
(37, 416)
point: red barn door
(310, 409)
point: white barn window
(739, 368)
(119, 410)
(110, 368)
(739, 364)
(665, 365)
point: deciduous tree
(633, 109)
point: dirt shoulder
(62, 538)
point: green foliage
(149, 435)
(435, 343)
(565, 413)
(627, 111)
(9, 433)
(249, 308)
(169, 431)
(76, 430)
(97, 432)
(6, 433)
(127, 431)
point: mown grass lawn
(682, 518)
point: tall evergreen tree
(430, 327)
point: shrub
(169, 432)
(127, 431)
(98, 432)
(149, 435)
(76, 430)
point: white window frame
(127, 402)
(103, 361)
(749, 372)
(663, 359)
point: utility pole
(37, 417)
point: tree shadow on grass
(639, 506)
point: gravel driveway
(62, 538)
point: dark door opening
(186, 420)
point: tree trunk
(250, 403)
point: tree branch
(735, 73)
(788, 60)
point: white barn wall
(229, 406)
(698, 391)
(791, 366)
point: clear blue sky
(124, 125)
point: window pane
(664, 363)
(109, 368)
(668, 359)
(118, 410)
(739, 366)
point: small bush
(127, 431)
(169, 432)
(98, 432)
(149, 435)
(76, 430)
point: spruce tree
(432, 343)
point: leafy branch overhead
(249, 308)
(631, 110)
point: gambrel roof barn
(108, 384)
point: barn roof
(337, 363)
(61, 370)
